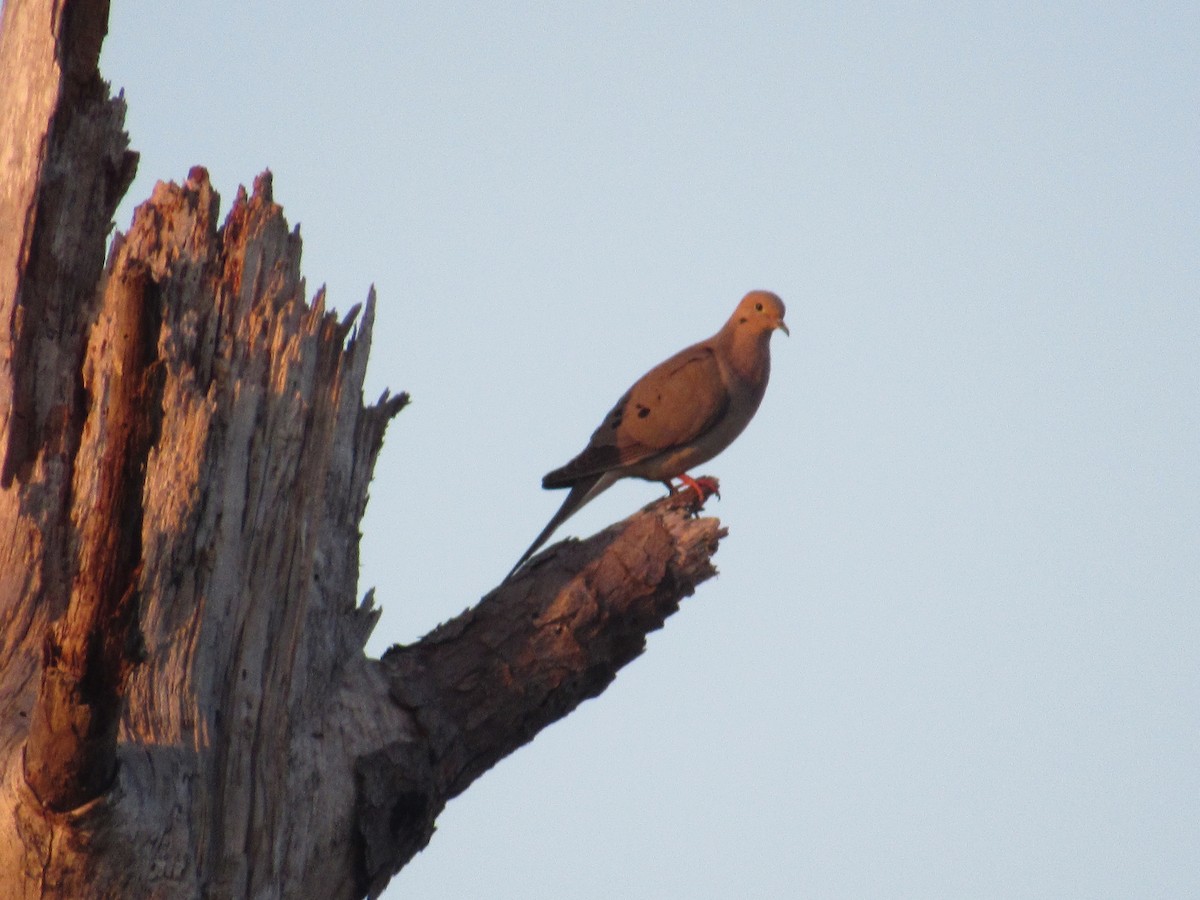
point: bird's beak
(782, 326)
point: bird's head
(762, 312)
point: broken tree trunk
(186, 709)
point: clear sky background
(953, 648)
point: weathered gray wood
(185, 706)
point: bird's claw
(701, 489)
(708, 486)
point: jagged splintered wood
(186, 709)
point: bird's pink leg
(704, 486)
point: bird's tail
(581, 492)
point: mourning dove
(680, 414)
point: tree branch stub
(486, 682)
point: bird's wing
(671, 406)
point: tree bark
(186, 709)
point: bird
(679, 415)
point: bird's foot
(701, 489)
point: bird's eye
(758, 306)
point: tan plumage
(680, 414)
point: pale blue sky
(952, 651)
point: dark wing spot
(643, 411)
(743, 320)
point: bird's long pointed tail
(581, 492)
